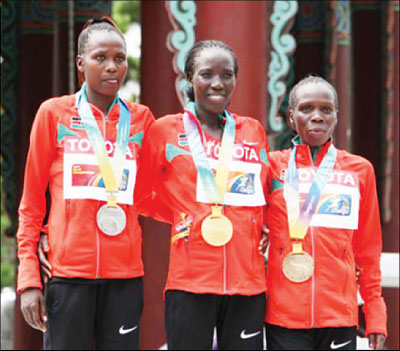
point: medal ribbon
(111, 172)
(214, 187)
(299, 221)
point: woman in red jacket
(216, 276)
(323, 217)
(85, 147)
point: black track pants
(279, 338)
(190, 320)
(93, 314)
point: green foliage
(133, 69)
(125, 12)
(7, 252)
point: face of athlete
(314, 115)
(103, 64)
(213, 81)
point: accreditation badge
(216, 229)
(298, 267)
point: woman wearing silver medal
(216, 276)
(86, 148)
(323, 217)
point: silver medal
(111, 220)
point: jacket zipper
(312, 279)
(67, 215)
(97, 229)
(98, 253)
(224, 282)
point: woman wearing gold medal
(86, 148)
(209, 167)
(323, 217)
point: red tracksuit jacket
(345, 232)
(60, 156)
(169, 171)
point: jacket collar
(304, 155)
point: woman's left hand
(376, 341)
(262, 247)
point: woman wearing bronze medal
(85, 147)
(209, 167)
(323, 217)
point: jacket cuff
(375, 317)
(21, 289)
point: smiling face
(314, 114)
(103, 64)
(213, 80)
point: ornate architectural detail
(343, 28)
(38, 16)
(331, 42)
(365, 5)
(9, 108)
(311, 20)
(283, 44)
(182, 15)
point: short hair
(311, 78)
(104, 23)
(194, 52)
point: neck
(102, 102)
(208, 120)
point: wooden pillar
(309, 30)
(157, 92)
(367, 120)
(340, 74)
(34, 86)
(243, 26)
(245, 30)
(390, 171)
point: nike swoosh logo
(243, 334)
(338, 346)
(123, 331)
(250, 143)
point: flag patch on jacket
(182, 140)
(76, 123)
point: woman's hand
(43, 249)
(262, 247)
(33, 308)
(376, 341)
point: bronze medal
(216, 229)
(111, 220)
(298, 267)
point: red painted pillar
(33, 68)
(243, 26)
(390, 193)
(245, 29)
(157, 86)
(343, 75)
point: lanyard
(214, 186)
(110, 171)
(299, 220)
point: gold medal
(298, 267)
(216, 229)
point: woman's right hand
(33, 308)
(43, 249)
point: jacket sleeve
(367, 246)
(32, 208)
(150, 173)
